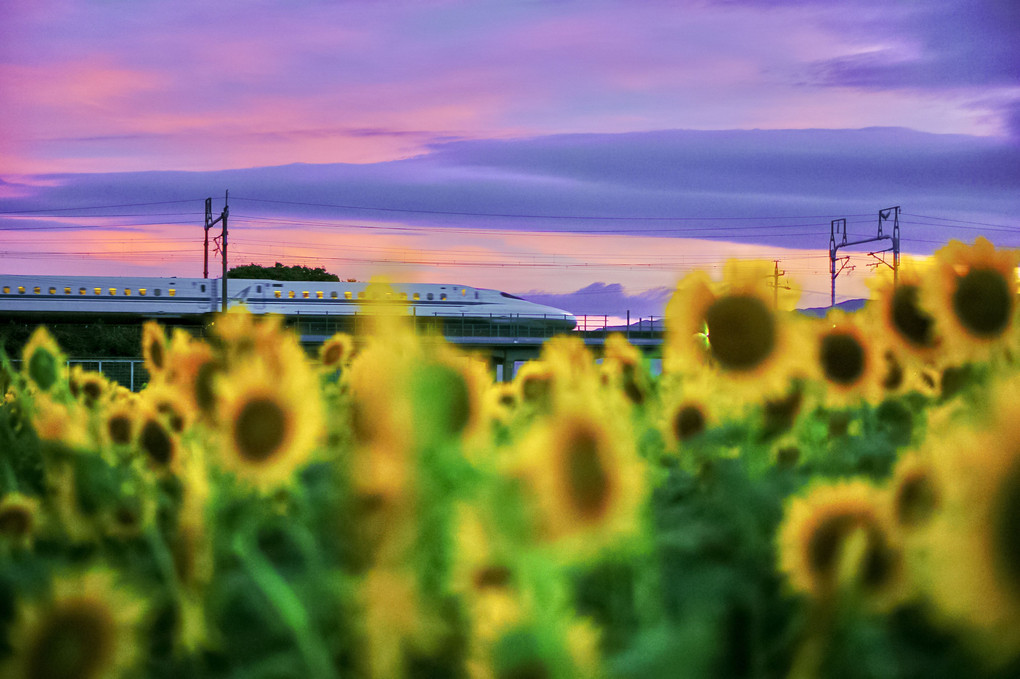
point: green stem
(289, 607)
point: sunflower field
(791, 497)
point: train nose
(558, 318)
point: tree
(279, 272)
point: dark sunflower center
(1007, 518)
(173, 416)
(879, 563)
(205, 396)
(260, 429)
(588, 484)
(842, 358)
(741, 332)
(825, 544)
(909, 320)
(42, 366)
(92, 390)
(119, 427)
(75, 643)
(492, 576)
(156, 353)
(689, 421)
(983, 302)
(535, 388)
(156, 443)
(333, 354)
(915, 500)
(893, 378)
(458, 402)
(15, 521)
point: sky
(587, 153)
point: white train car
(72, 297)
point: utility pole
(839, 226)
(209, 223)
(775, 285)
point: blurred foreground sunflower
(838, 536)
(847, 360)
(43, 362)
(268, 427)
(972, 292)
(974, 541)
(88, 628)
(586, 480)
(733, 328)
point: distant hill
(849, 306)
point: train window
(258, 288)
(172, 292)
(21, 289)
(113, 291)
(142, 291)
(318, 294)
(157, 292)
(97, 291)
(348, 295)
(53, 291)
(36, 290)
(416, 296)
(442, 297)
(82, 291)
(403, 295)
(127, 292)
(290, 294)
(333, 294)
(304, 294)
(476, 294)
(67, 291)
(278, 294)
(429, 296)
(7, 289)
(203, 287)
(463, 292)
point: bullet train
(181, 299)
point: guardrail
(128, 372)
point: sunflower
(534, 384)
(192, 368)
(914, 492)
(118, 423)
(586, 480)
(154, 349)
(156, 441)
(86, 629)
(19, 518)
(732, 328)
(623, 367)
(168, 400)
(972, 294)
(847, 362)
(43, 363)
(897, 307)
(336, 352)
(839, 535)
(268, 427)
(392, 619)
(974, 548)
(91, 388)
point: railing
(128, 372)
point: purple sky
(592, 151)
